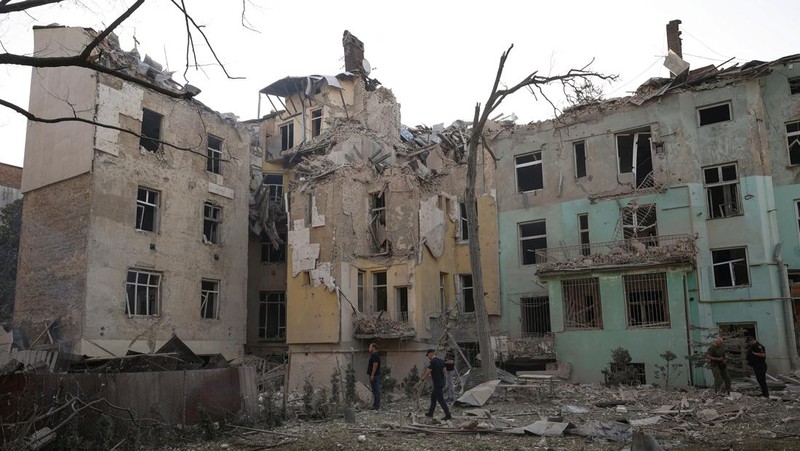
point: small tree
(388, 383)
(270, 413)
(668, 371)
(350, 385)
(410, 382)
(620, 371)
(336, 381)
(308, 398)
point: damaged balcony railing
(641, 251)
(381, 325)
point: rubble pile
(380, 326)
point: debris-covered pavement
(570, 416)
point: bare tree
(573, 80)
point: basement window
(635, 156)
(467, 292)
(529, 172)
(214, 158)
(272, 315)
(401, 297)
(379, 291)
(583, 231)
(794, 85)
(142, 290)
(730, 267)
(793, 141)
(316, 122)
(377, 221)
(535, 315)
(641, 224)
(532, 241)
(714, 113)
(580, 159)
(582, 308)
(287, 136)
(209, 299)
(646, 300)
(212, 222)
(722, 190)
(151, 130)
(146, 210)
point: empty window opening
(533, 242)
(640, 223)
(797, 215)
(360, 290)
(635, 156)
(151, 130)
(793, 141)
(212, 222)
(646, 298)
(316, 122)
(214, 159)
(722, 190)
(467, 293)
(529, 172)
(443, 292)
(582, 308)
(463, 224)
(209, 299)
(142, 290)
(274, 251)
(272, 315)
(379, 291)
(715, 113)
(794, 85)
(730, 267)
(401, 297)
(535, 315)
(580, 158)
(377, 221)
(583, 231)
(274, 183)
(287, 136)
(146, 209)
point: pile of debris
(380, 326)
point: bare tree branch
(87, 51)
(246, 23)
(5, 7)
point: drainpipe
(791, 345)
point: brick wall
(51, 278)
(10, 176)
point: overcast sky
(438, 57)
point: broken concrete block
(645, 421)
(480, 394)
(574, 409)
(706, 415)
(363, 393)
(547, 428)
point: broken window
(209, 299)
(583, 231)
(467, 293)
(287, 136)
(535, 315)
(360, 291)
(794, 85)
(443, 292)
(151, 130)
(793, 141)
(582, 308)
(270, 253)
(146, 209)
(529, 172)
(730, 267)
(580, 158)
(533, 242)
(274, 183)
(635, 156)
(316, 122)
(463, 224)
(646, 299)
(272, 315)
(714, 113)
(401, 297)
(640, 223)
(142, 290)
(379, 292)
(722, 190)
(214, 159)
(212, 221)
(377, 221)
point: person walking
(374, 373)
(436, 371)
(450, 367)
(757, 358)
(718, 362)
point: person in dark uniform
(718, 362)
(757, 358)
(436, 371)
(374, 373)
(450, 366)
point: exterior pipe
(791, 344)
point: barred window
(535, 315)
(646, 299)
(582, 307)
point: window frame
(263, 316)
(399, 298)
(707, 187)
(583, 234)
(463, 223)
(650, 280)
(521, 240)
(794, 85)
(531, 303)
(580, 163)
(731, 268)
(316, 122)
(145, 204)
(214, 155)
(517, 166)
(635, 134)
(212, 293)
(796, 135)
(467, 292)
(377, 289)
(577, 287)
(287, 135)
(699, 110)
(147, 140)
(215, 223)
(156, 303)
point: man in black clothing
(757, 358)
(436, 370)
(374, 373)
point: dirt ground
(690, 419)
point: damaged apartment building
(130, 240)
(642, 221)
(361, 228)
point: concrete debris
(480, 394)
(574, 409)
(649, 421)
(547, 428)
(381, 326)
(609, 430)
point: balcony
(632, 252)
(380, 325)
